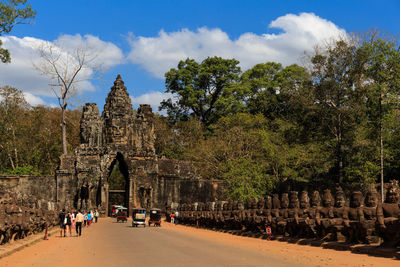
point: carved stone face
(268, 202)
(294, 200)
(391, 197)
(276, 203)
(327, 198)
(284, 201)
(315, 199)
(304, 200)
(355, 200)
(371, 199)
(260, 204)
(340, 201)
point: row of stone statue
(364, 220)
(20, 217)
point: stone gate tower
(121, 135)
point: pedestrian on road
(68, 223)
(72, 219)
(79, 220)
(176, 217)
(61, 216)
(172, 217)
(96, 215)
(85, 221)
(89, 218)
(92, 215)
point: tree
(64, 69)
(13, 12)
(382, 77)
(202, 90)
(12, 117)
(334, 72)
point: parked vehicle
(121, 214)
(138, 217)
(114, 210)
(155, 217)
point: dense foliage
(30, 137)
(13, 12)
(321, 125)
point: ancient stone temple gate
(124, 138)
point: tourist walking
(89, 218)
(96, 216)
(61, 216)
(92, 215)
(72, 219)
(85, 218)
(176, 217)
(78, 223)
(68, 223)
(172, 217)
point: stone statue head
(371, 198)
(304, 200)
(235, 205)
(268, 202)
(254, 203)
(276, 203)
(340, 199)
(294, 199)
(356, 199)
(284, 201)
(260, 204)
(240, 205)
(327, 199)
(315, 199)
(392, 194)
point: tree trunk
(64, 127)
(340, 149)
(381, 145)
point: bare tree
(66, 69)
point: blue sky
(146, 38)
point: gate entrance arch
(118, 183)
(116, 162)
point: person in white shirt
(78, 223)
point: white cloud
(152, 98)
(33, 100)
(300, 33)
(24, 53)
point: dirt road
(117, 244)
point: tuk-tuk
(114, 210)
(121, 214)
(138, 217)
(155, 217)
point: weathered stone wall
(26, 206)
(38, 187)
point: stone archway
(118, 183)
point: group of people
(76, 219)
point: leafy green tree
(13, 12)
(273, 90)
(382, 77)
(12, 122)
(337, 98)
(202, 89)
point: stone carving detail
(371, 223)
(122, 135)
(21, 216)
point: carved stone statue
(368, 217)
(388, 215)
